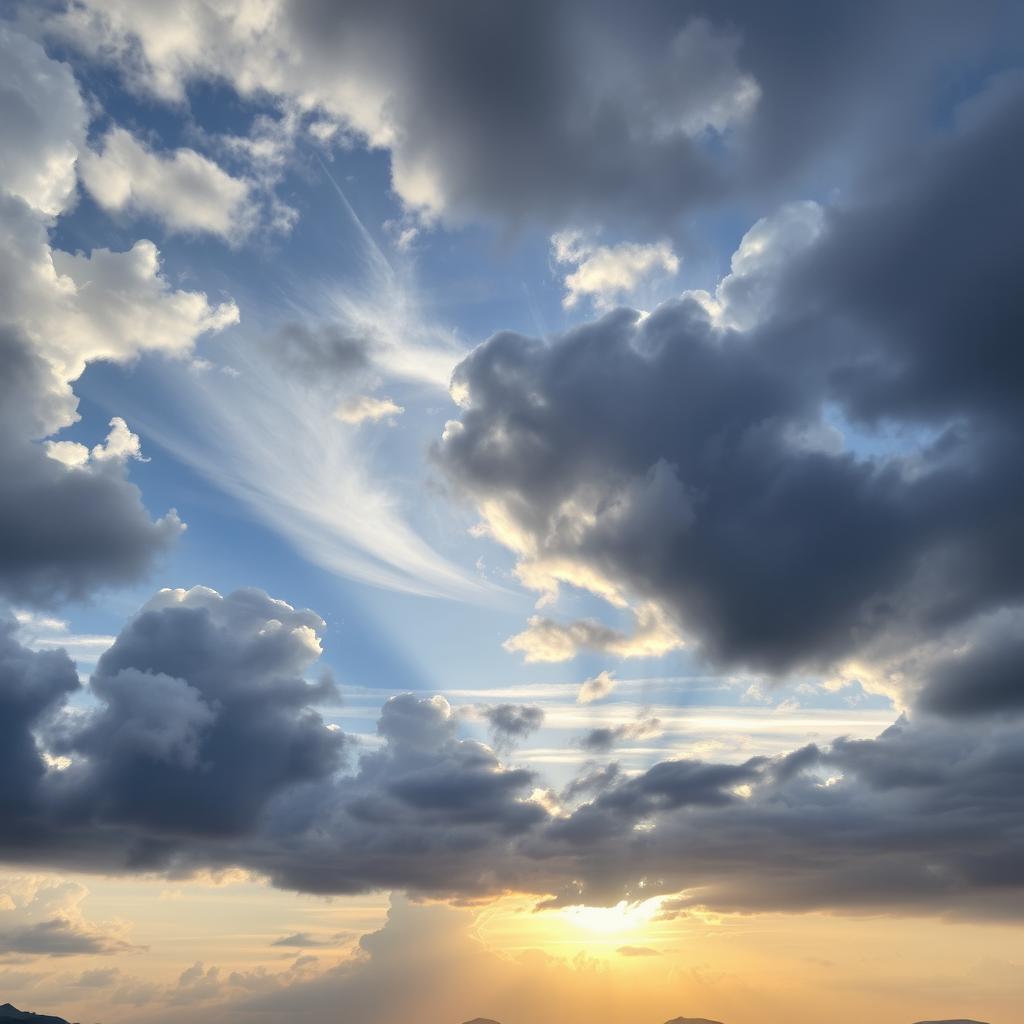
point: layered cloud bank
(203, 750)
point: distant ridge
(9, 1014)
(692, 1020)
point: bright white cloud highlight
(119, 445)
(606, 274)
(365, 408)
(597, 688)
(545, 640)
(184, 189)
(746, 295)
(41, 128)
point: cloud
(748, 293)
(120, 444)
(513, 722)
(42, 129)
(201, 752)
(303, 940)
(203, 715)
(641, 115)
(596, 689)
(72, 525)
(607, 274)
(637, 951)
(41, 917)
(188, 192)
(316, 352)
(984, 676)
(544, 639)
(367, 409)
(634, 134)
(655, 460)
(268, 436)
(73, 522)
(604, 739)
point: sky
(511, 510)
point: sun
(624, 918)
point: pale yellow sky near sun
(742, 969)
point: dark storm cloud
(703, 475)
(32, 686)
(924, 816)
(64, 532)
(201, 753)
(204, 716)
(582, 111)
(986, 678)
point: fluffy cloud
(639, 115)
(202, 752)
(665, 461)
(606, 274)
(204, 715)
(71, 519)
(596, 689)
(512, 722)
(42, 128)
(544, 639)
(367, 409)
(42, 917)
(632, 133)
(748, 293)
(185, 190)
(73, 523)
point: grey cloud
(926, 816)
(32, 687)
(921, 817)
(592, 780)
(319, 353)
(512, 722)
(303, 940)
(604, 738)
(671, 459)
(638, 115)
(67, 531)
(59, 937)
(99, 977)
(204, 716)
(982, 675)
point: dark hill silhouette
(12, 1015)
(692, 1020)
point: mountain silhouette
(12, 1015)
(692, 1020)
